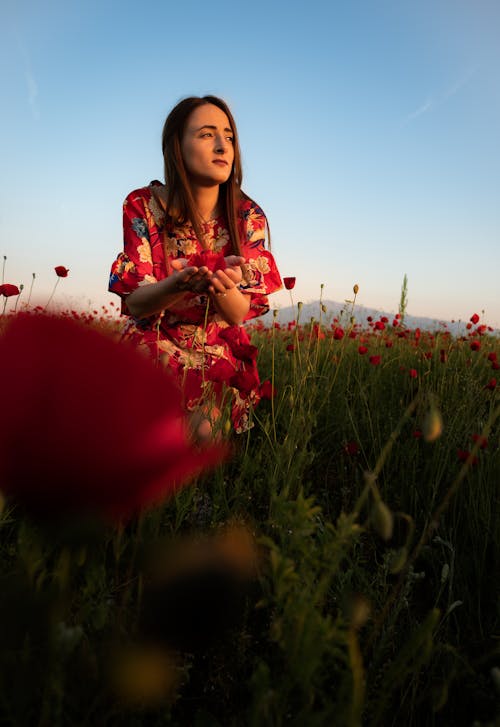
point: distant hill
(361, 314)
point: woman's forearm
(232, 306)
(146, 300)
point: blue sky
(369, 131)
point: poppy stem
(31, 289)
(52, 294)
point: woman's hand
(222, 281)
(186, 277)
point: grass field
(341, 567)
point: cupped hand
(187, 277)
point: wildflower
(443, 356)
(338, 333)
(395, 323)
(362, 350)
(492, 356)
(417, 434)
(379, 325)
(388, 343)
(475, 345)
(93, 427)
(267, 390)
(317, 332)
(491, 384)
(8, 290)
(290, 347)
(61, 271)
(413, 373)
(375, 360)
(482, 441)
(289, 283)
(351, 448)
(463, 455)
(474, 318)
(244, 381)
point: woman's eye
(230, 138)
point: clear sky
(369, 131)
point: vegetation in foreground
(340, 568)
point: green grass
(369, 596)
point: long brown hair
(180, 205)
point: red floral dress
(206, 354)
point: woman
(194, 265)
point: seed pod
(398, 560)
(432, 426)
(382, 520)
(355, 289)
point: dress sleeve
(133, 266)
(262, 276)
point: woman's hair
(180, 203)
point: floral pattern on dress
(202, 357)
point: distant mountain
(342, 311)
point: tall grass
(360, 583)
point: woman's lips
(220, 162)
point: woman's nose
(221, 144)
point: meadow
(338, 566)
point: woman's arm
(146, 300)
(232, 304)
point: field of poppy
(337, 564)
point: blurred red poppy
(491, 384)
(93, 427)
(338, 333)
(375, 360)
(289, 283)
(482, 441)
(413, 373)
(475, 345)
(362, 350)
(61, 271)
(474, 318)
(244, 381)
(351, 448)
(266, 390)
(7, 289)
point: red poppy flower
(379, 326)
(362, 350)
(417, 434)
(495, 365)
(491, 384)
(338, 333)
(220, 372)
(482, 441)
(395, 323)
(388, 344)
(289, 283)
(351, 448)
(475, 345)
(317, 332)
(492, 356)
(61, 271)
(413, 373)
(212, 260)
(375, 360)
(266, 390)
(384, 319)
(7, 289)
(244, 381)
(93, 426)
(463, 455)
(443, 356)
(474, 318)
(290, 347)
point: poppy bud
(382, 520)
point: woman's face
(207, 146)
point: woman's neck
(206, 200)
